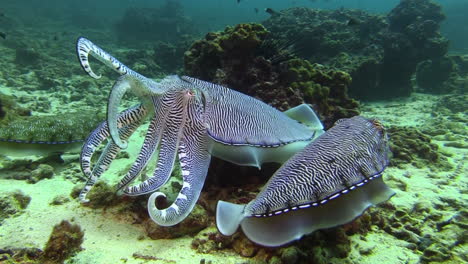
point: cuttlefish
(47, 135)
(191, 120)
(329, 183)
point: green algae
(411, 146)
(13, 204)
(325, 88)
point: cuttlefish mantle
(329, 183)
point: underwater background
(402, 62)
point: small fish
(271, 11)
(3, 35)
(256, 10)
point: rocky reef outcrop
(247, 59)
(448, 74)
(380, 52)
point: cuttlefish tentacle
(130, 80)
(173, 131)
(194, 157)
(130, 120)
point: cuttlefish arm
(129, 120)
(173, 128)
(147, 151)
(85, 47)
(129, 81)
(194, 157)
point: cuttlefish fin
(306, 115)
(280, 229)
(228, 217)
(194, 158)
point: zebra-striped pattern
(148, 148)
(194, 157)
(175, 103)
(241, 120)
(352, 153)
(85, 47)
(129, 120)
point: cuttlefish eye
(191, 93)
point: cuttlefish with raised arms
(192, 120)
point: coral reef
(20, 255)
(432, 75)
(371, 48)
(452, 104)
(65, 240)
(243, 58)
(448, 74)
(27, 57)
(410, 146)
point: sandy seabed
(110, 236)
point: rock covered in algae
(43, 171)
(431, 229)
(371, 47)
(209, 240)
(13, 204)
(324, 88)
(65, 240)
(410, 146)
(433, 76)
(247, 59)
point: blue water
(211, 15)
